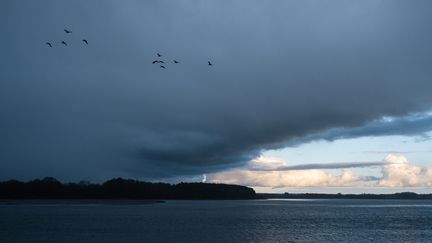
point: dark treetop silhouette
(50, 188)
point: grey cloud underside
(339, 165)
(282, 72)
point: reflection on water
(218, 221)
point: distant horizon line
(50, 179)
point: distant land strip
(399, 195)
(119, 188)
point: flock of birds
(64, 42)
(174, 61)
(154, 62)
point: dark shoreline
(78, 201)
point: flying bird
(175, 61)
(85, 41)
(64, 43)
(162, 66)
(209, 63)
(49, 44)
(155, 61)
(67, 31)
(159, 55)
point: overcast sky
(285, 74)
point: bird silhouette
(162, 66)
(159, 55)
(85, 41)
(175, 61)
(209, 63)
(49, 44)
(155, 61)
(67, 31)
(64, 43)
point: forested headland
(51, 188)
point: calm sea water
(218, 221)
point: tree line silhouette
(51, 188)
(119, 188)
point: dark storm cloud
(283, 70)
(411, 125)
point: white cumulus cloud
(301, 178)
(399, 172)
(396, 170)
(276, 178)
